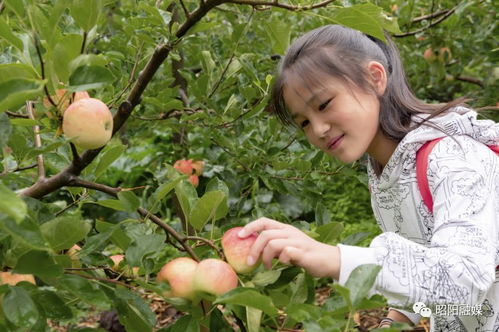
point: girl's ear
(377, 75)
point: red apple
(183, 166)
(88, 123)
(194, 179)
(236, 250)
(179, 273)
(214, 276)
(10, 278)
(429, 55)
(198, 166)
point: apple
(444, 54)
(198, 166)
(194, 179)
(183, 166)
(12, 279)
(214, 276)
(236, 250)
(429, 55)
(63, 99)
(127, 272)
(88, 123)
(73, 255)
(179, 273)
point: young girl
(348, 93)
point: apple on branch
(179, 273)
(88, 123)
(127, 271)
(190, 167)
(12, 279)
(214, 276)
(236, 250)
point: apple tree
(92, 208)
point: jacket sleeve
(458, 265)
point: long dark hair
(342, 52)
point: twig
(442, 18)
(208, 242)
(472, 80)
(186, 11)
(16, 115)
(74, 152)
(116, 282)
(38, 141)
(84, 195)
(83, 42)
(42, 67)
(281, 5)
(432, 15)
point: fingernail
(241, 233)
(250, 260)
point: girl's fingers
(262, 241)
(272, 250)
(290, 255)
(259, 225)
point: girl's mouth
(335, 142)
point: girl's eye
(323, 105)
(304, 123)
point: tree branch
(77, 182)
(42, 69)
(432, 15)
(281, 5)
(472, 80)
(441, 19)
(38, 142)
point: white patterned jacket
(446, 260)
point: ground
(166, 314)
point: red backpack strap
(494, 148)
(421, 171)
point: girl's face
(340, 119)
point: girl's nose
(320, 128)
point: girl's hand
(291, 246)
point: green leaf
(53, 306)
(266, 277)
(205, 209)
(322, 214)
(9, 71)
(361, 281)
(112, 204)
(143, 246)
(249, 297)
(15, 92)
(134, 313)
(96, 241)
(118, 237)
(329, 233)
(89, 77)
(17, 6)
(356, 17)
(218, 322)
(39, 263)
(163, 190)
(11, 204)
(254, 319)
(63, 232)
(109, 156)
(66, 50)
(27, 232)
(280, 35)
(86, 12)
(187, 323)
(216, 184)
(83, 289)
(5, 130)
(19, 308)
(187, 197)
(129, 200)
(8, 35)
